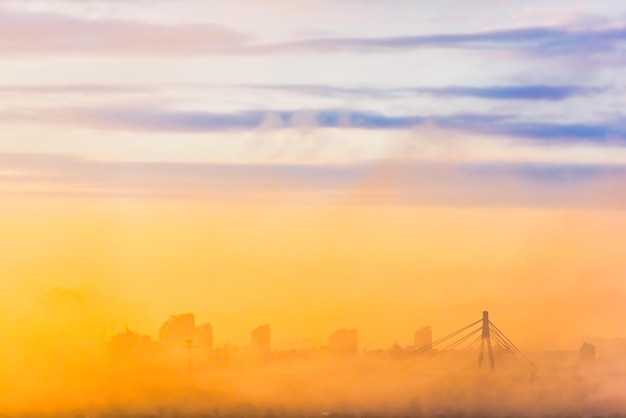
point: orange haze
(77, 271)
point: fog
(57, 361)
(65, 381)
(82, 272)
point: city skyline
(179, 331)
(358, 176)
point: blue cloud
(574, 131)
(501, 92)
(544, 172)
(158, 120)
(541, 40)
(528, 92)
(519, 37)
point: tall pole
(486, 338)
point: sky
(315, 165)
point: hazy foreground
(322, 385)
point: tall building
(423, 337)
(587, 353)
(177, 330)
(344, 342)
(260, 339)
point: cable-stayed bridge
(466, 340)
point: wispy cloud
(539, 40)
(154, 119)
(528, 92)
(76, 88)
(51, 33)
(497, 92)
(610, 131)
(406, 182)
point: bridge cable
(441, 340)
(517, 350)
(459, 341)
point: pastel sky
(130, 119)
(518, 90)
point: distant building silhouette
(344, 342)
(260, 339)
(129, 343)
(131, 350)
(177, 330)
(587, 353)
(423, 337)
(395, 351)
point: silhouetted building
(129, 349)
(611, 348)
(396, 351)
(260, 339)
(344, 342)
(204, 337)
(587, 353)
(225, 355)
(129, 342)
(177, 330)
(423, 337)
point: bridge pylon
(483, 331)
(486, 340)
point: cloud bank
(50, 33)
(382, 182)
(155, 119)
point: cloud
(573, 131)
(155, 119)
(496, 92)
(75, 88)
(407, 182)
(528, 92)
(524, 37)
(548, 41)
(54, 33)
(160, 120)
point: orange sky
(548, 276)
